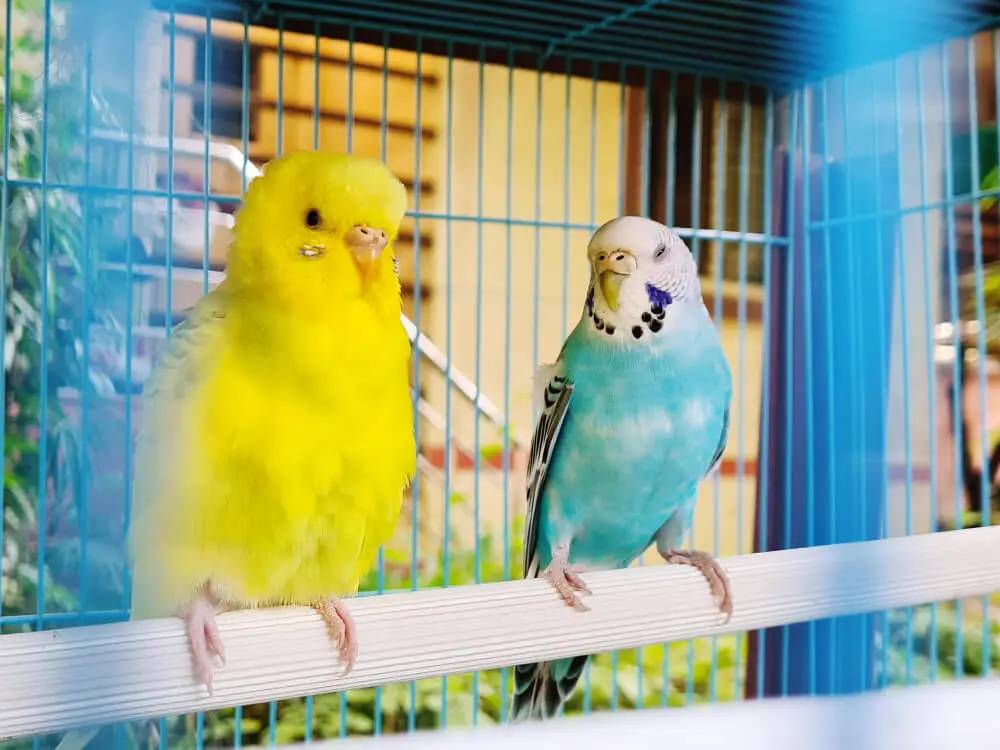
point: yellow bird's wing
(159, 467)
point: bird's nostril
(619, 257)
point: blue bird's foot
(718, 582)
(566, 581)
(341, 624)
(206, 642)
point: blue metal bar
(508, 281)
(171, 96)
(587, 685)
(669, 198)
(985, 480)
(411, 715)
(758, 644)
(929, 343)
(317, 34)
(279, 114)
(644, 187)
(810, 478)
(383, 154)
(695, 251)
(743, 222)
(350, 88)
(856, 324)
(4, 226)
(43, 336)
(718, 259)
(538, 220)
(567, 141)
(85, 387)
(789, 345)
(753, 238)
(829, 313)
(957, 366)
(622, 179)
(244, 139)
(904, 321)
(477, 425)
(446, 543)
(883, 353)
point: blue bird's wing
(554, 400)
(723, 439)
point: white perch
(54, 680)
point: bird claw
(338, 619)
(567, 581)
(207, 650)
(718, 581)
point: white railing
(55, 680)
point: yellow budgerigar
(277, 430)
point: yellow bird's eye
(313, 219)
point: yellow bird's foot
(338, 619)
(707, 565)
(207, 651)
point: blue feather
(643, 426)
(658, 296)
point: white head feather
(639, 270)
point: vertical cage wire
(5, 199)
(741, 323)
(43, 385)
(825, 112)
(905, 354)
(810, 473)
(872, 98)
(986, 512)
(763, 537)
(793, 140)
(955, 319)
(928, 342)
(730, 139)
(718, 253)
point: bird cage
(832, 168)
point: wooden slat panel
(400, 61)
(366, 140)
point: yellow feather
(277, 430)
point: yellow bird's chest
(308, 458)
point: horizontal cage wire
(833, 168)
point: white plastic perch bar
(54, 680)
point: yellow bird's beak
(612, 269)
(366, 245)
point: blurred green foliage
(42, 246)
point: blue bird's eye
(660, 250)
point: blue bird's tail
(540, 690)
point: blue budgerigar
(634, 414)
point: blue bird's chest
(640, 434)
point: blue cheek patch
(656, 296)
